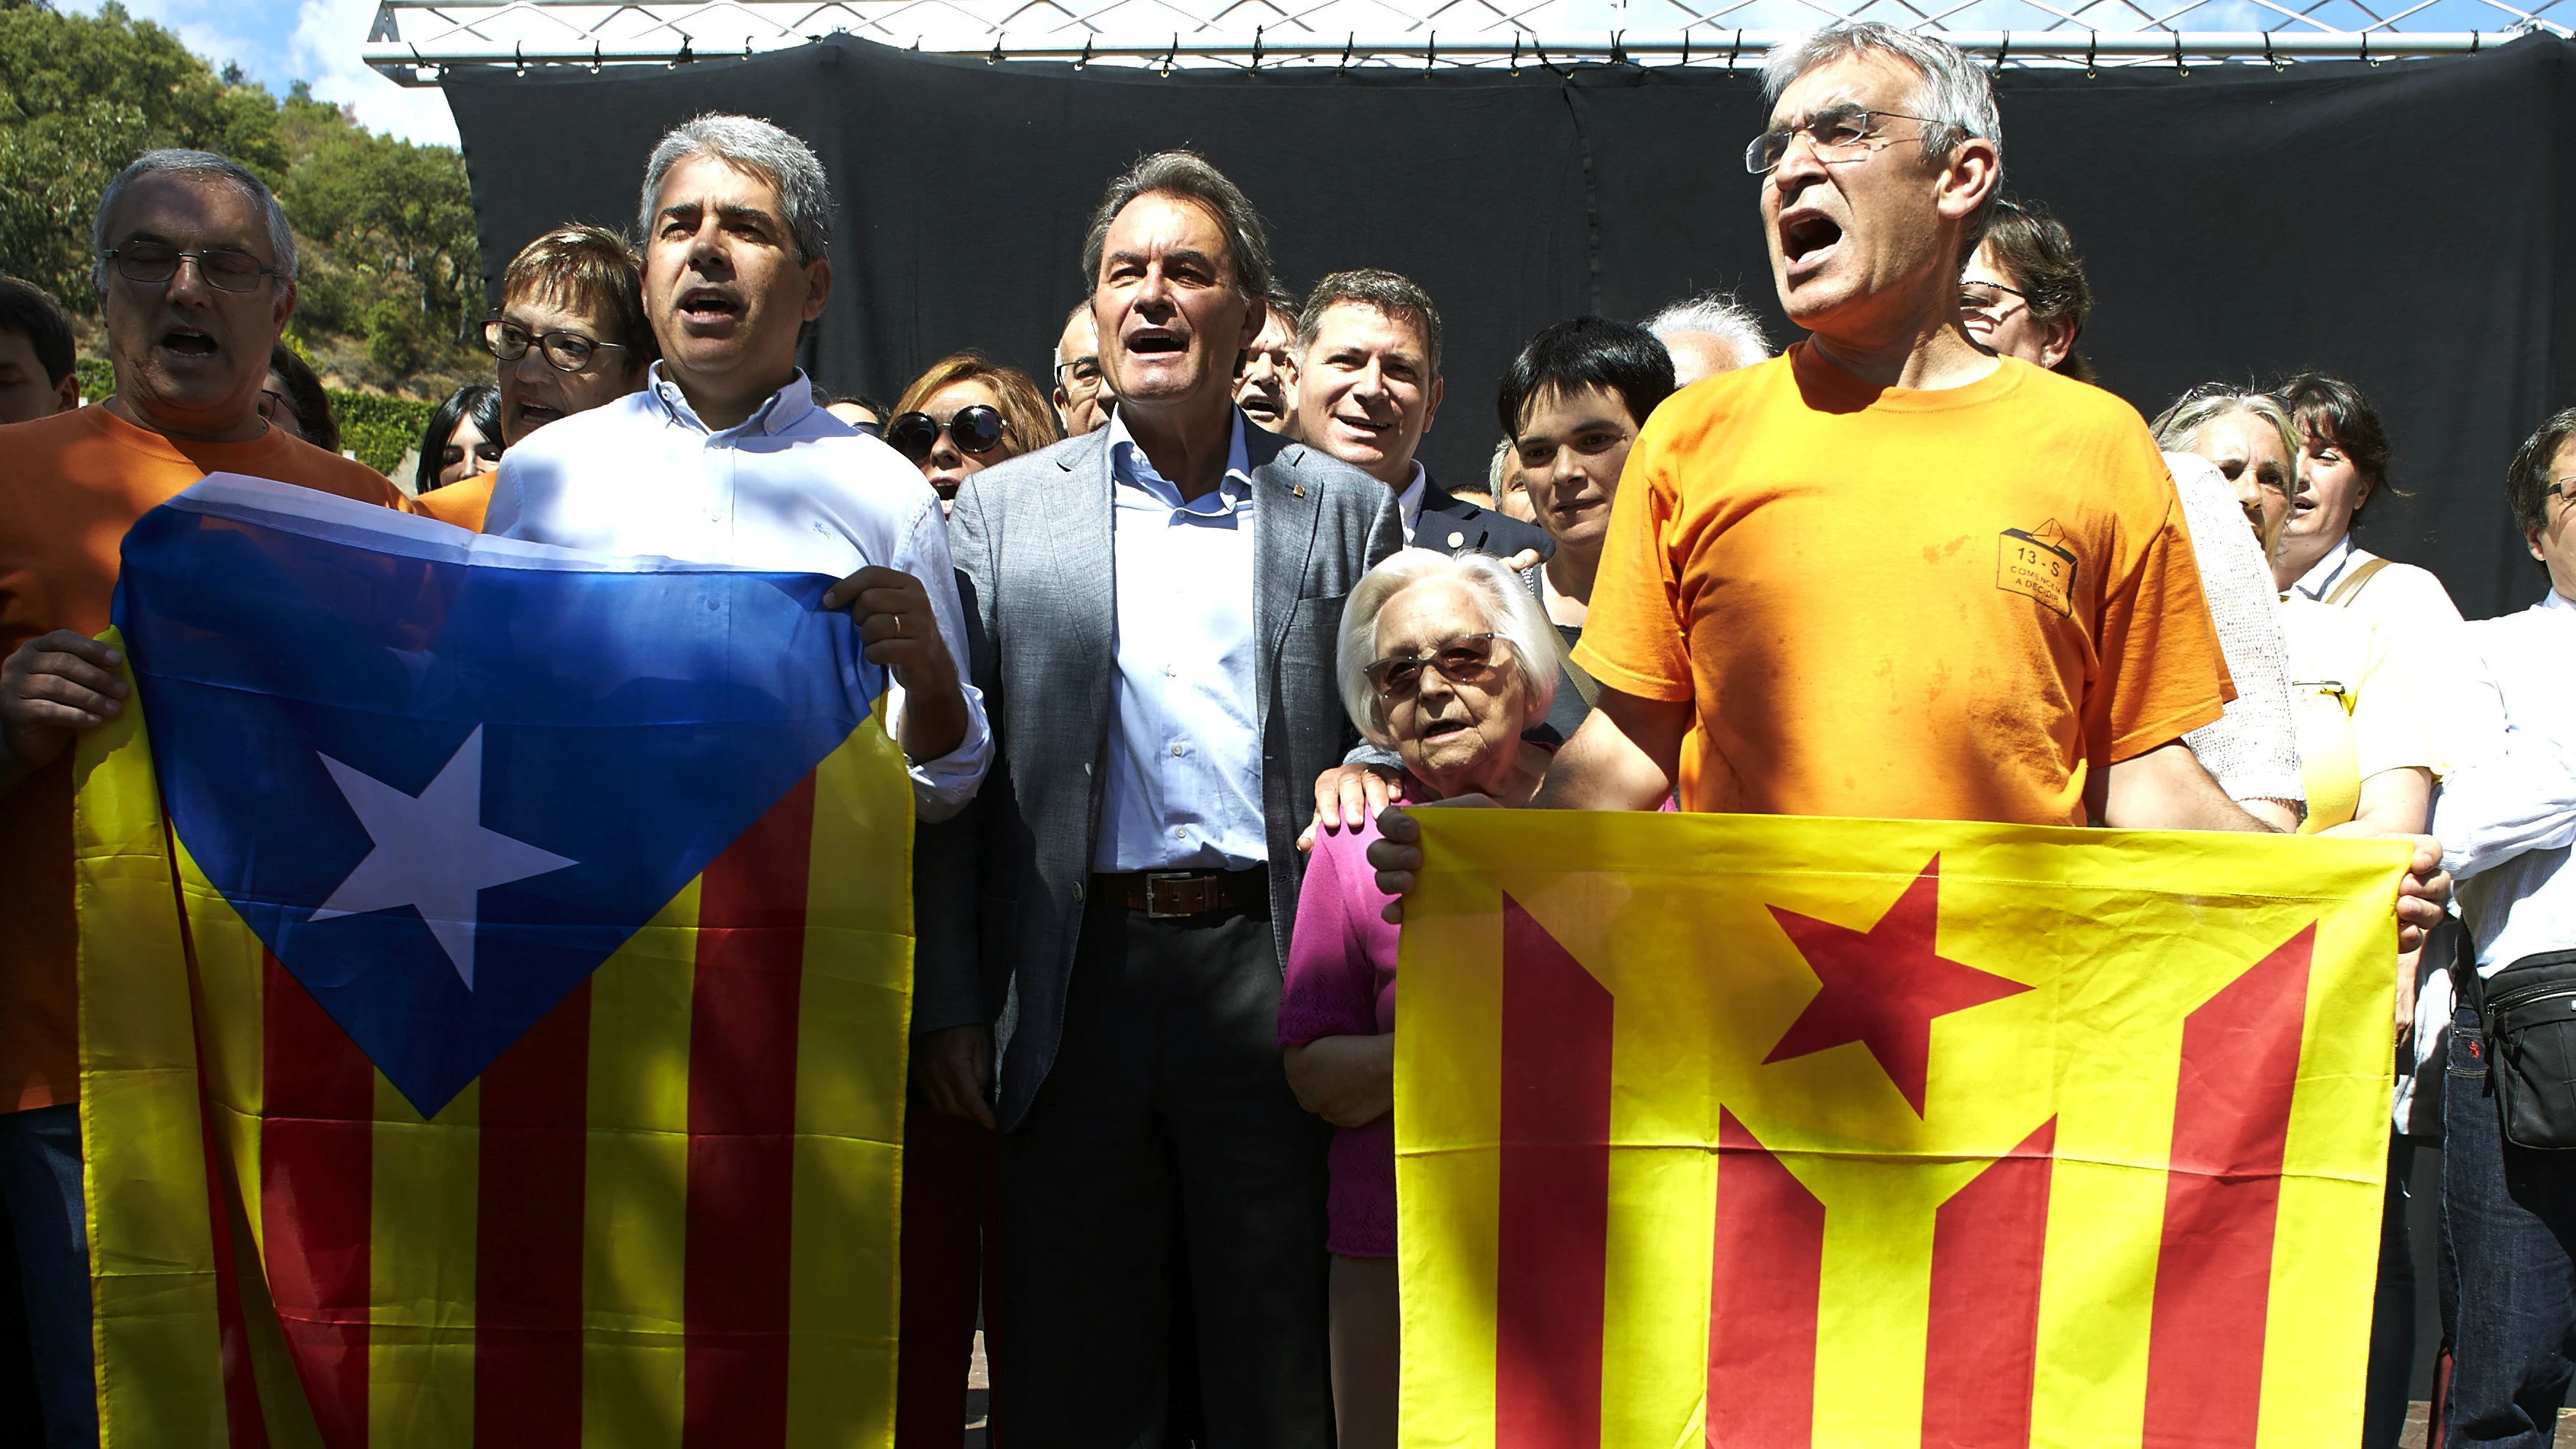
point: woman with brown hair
(966, 414)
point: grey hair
(1956, 99)
(203, 164)
(1390, 293)
(1188, 176)
(2177, 428)
(1494, 469)
(1511, 611)
(1716, 314)
(766, 150)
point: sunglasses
(1467, 660)
(975, 430)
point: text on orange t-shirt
(70, 486)
(1902, 604)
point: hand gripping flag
(495, 976)
(1763, 1132)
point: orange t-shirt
(70, 486)
(461, 503)
(1903, 604)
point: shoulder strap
(1583, 682)
(2343, 593)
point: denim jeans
(2508, 1222)
(40, 1186)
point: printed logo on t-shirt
(2038, 565)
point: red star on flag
(1883, 986)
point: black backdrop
(2410, 225)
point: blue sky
(280, 42)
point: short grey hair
(770, 152)
(1956, 99)
(1188, 176)
(1512, 612)
(1715, 314)
(1389, 293)
(2177, 428)
(204, 165)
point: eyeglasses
(2564, 490)
(565, 351)
(1986, 299)
(1078, 377)
(154, 263)
(1467, 659)
(975, 430)
(1837, 129)
(276, 407)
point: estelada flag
(495, 976)
(1760, 1132)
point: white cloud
(327, 36)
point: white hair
(1715, 314)
(205, 165)
(1511, 611)
(1956, 100)
(768, 151)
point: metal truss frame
(414, 41)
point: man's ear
(2531, 541)
(818, 288)
(1972, 173)
(67, 392)
(1431, 414)
(2057, 342)
(282, 308)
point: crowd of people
(1170, 628)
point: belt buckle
(1155, 880)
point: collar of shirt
(787, 407)
(2316, 581)
(1408, 504)
(1134, 473)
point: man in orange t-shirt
(1891, 574)
(196, 286)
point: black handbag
(2529, 1012)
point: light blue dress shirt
(1184, 784)
(790, 489)
(2507, 817)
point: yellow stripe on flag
(854, 1019)
(142, 1136)
(420, 1338)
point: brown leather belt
(1166, 893)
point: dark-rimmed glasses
(1838, 129)
(2564, 490)
(1079, 377)
(976, 430)
(1467, 659)
(1986, 299)
(153, 264)
(563, 351)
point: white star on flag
(432, 852)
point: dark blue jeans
(2508, 1223)
(40, 1188)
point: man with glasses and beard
(723, 456)
(1157, 604)
(195, 275)
(1754, 649)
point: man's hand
(1524, 560)
(2423, 897)
(955, 1069)
(52, 688)
(1396, 854)
(1346, 796)
(899, 631)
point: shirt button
(1179, 750)
(1179, 834)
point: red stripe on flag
(742, 1123)
(1981, 1345)
(1766, 1278)
(1553, 1219)
(247, 1424)
(534, 1109)
(317, 1194)
(2240, 1067)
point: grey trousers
(1166, 1136)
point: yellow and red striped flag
(1762, 1132)
(495, 982)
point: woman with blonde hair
(965, 414)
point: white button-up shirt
(2507, 817)
(791, 490)
(1408, 501)
(1184, 783)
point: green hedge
(380, 430)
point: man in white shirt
(723, 456)
(2507, 819)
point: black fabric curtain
(2408, 225)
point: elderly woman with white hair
(1445, 661)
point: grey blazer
(998, 891)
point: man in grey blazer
(1152, 612)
